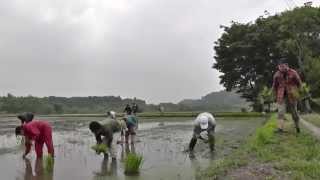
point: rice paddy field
(161, 141)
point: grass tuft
(48, 163)
(132, 163)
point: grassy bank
(268, 155)
(156, 114)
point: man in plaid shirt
(286, 83)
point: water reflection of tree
(40, 172)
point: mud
(161, 142)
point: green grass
(132, 164)
(290, 155)
(100, 148)
(48, 163)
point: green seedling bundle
(132, 163)
(100, 148)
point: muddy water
(160, 141)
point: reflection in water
(196, 165)
(105, 171)
(125, 150)
(40, 172)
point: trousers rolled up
(196, 136)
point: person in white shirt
(204, 122)
(111, 114)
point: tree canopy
(247, 54)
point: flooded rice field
(161, 141)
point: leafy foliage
(266, 95)
(247, 54)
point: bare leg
(281, 116)
(295, 115)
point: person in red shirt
(38, 131)
(286, 83)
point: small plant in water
(48, 163)
(132, 164)
(100, 148)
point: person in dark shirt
(128, 109)
(135, 108)
(105, 134)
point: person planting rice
(105, 134)
(132, 125)
(286, 83)
(204, 122)
(38, 131)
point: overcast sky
(157, 50)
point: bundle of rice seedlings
(48, 163)
(100, 148)
(132, 164)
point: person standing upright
(128, 109)
(286, 84)
(135, 108)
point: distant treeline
(101, 104)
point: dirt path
(314, 129)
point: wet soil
(161, 142)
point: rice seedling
(132, 164)
(100, 148)
(48, 163)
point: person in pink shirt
(38, 131)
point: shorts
(131, 131)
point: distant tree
(58, 108)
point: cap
(204, 122)
(282, 60)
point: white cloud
(155, 50)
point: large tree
(247, 54)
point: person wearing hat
(111, 114)
(286, 83)
(204, 122)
